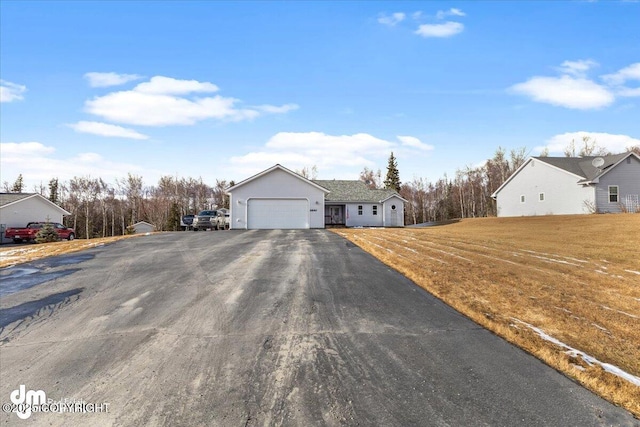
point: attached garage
(277, 213)
(277, 198)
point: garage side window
(375, 210)
(359, 209)
(613, 194)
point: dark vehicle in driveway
(204, 220)
(28, 233)
(186, 222)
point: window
(359, 209)
(522, 199)
(541, 197)
(613, 194)
(375, 210)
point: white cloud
(10, 92)
(611, 142)
(334, 155)
(413, 142)
(447, 29)
(156, 103)
(273, 109)
(575, 90)
(392, 19)
(577, 68)
(105, 129)
(619, 79)
(39, 163)
(161, 85)
(632, 72)
(566, 91)
(451, 12)
(109, 79)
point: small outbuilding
(18, 209)
(141, 227)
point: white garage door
(278, 213)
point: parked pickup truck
(28, 233)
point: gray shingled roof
(582, 166)
(6, 198)
(352, 191)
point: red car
(29, 232)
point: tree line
(100, 209)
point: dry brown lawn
(573, 279)
(25, 252)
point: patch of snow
(602, 328)
(584, 356)
(601, 272)
(562, 309)
(633, 272)
(621, 312)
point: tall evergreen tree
(392, 181)
(18, 185)
(53, 190)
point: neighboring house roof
(354, 191)
(7, 199)
(143, 223)
(272, 168)
(581, 167)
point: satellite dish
(597, 162)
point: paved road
(263, 328)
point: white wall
(32, 209)
(276, 184)
(388, 212)
(562, 194)
(367, 219)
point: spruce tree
(47, 234)
(392, 181)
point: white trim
(617, 187)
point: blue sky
(222, 90)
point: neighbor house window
(359, 209)
(375, 210)
(613, 194)
(541, 197)
(522, 199)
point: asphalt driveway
(252, 328)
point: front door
(334, 215)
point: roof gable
(8, 199)
(271, 169)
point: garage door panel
(278, 213)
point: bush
(47, 234)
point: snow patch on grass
(590, 360)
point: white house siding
(562, 193)
(627, 177)
(276, 184)
(367, 219)
(31, 209)
(391, 218)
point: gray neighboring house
(572, 185)
(143, 227)
(353, 204)
(278, 198)
(18, 209)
